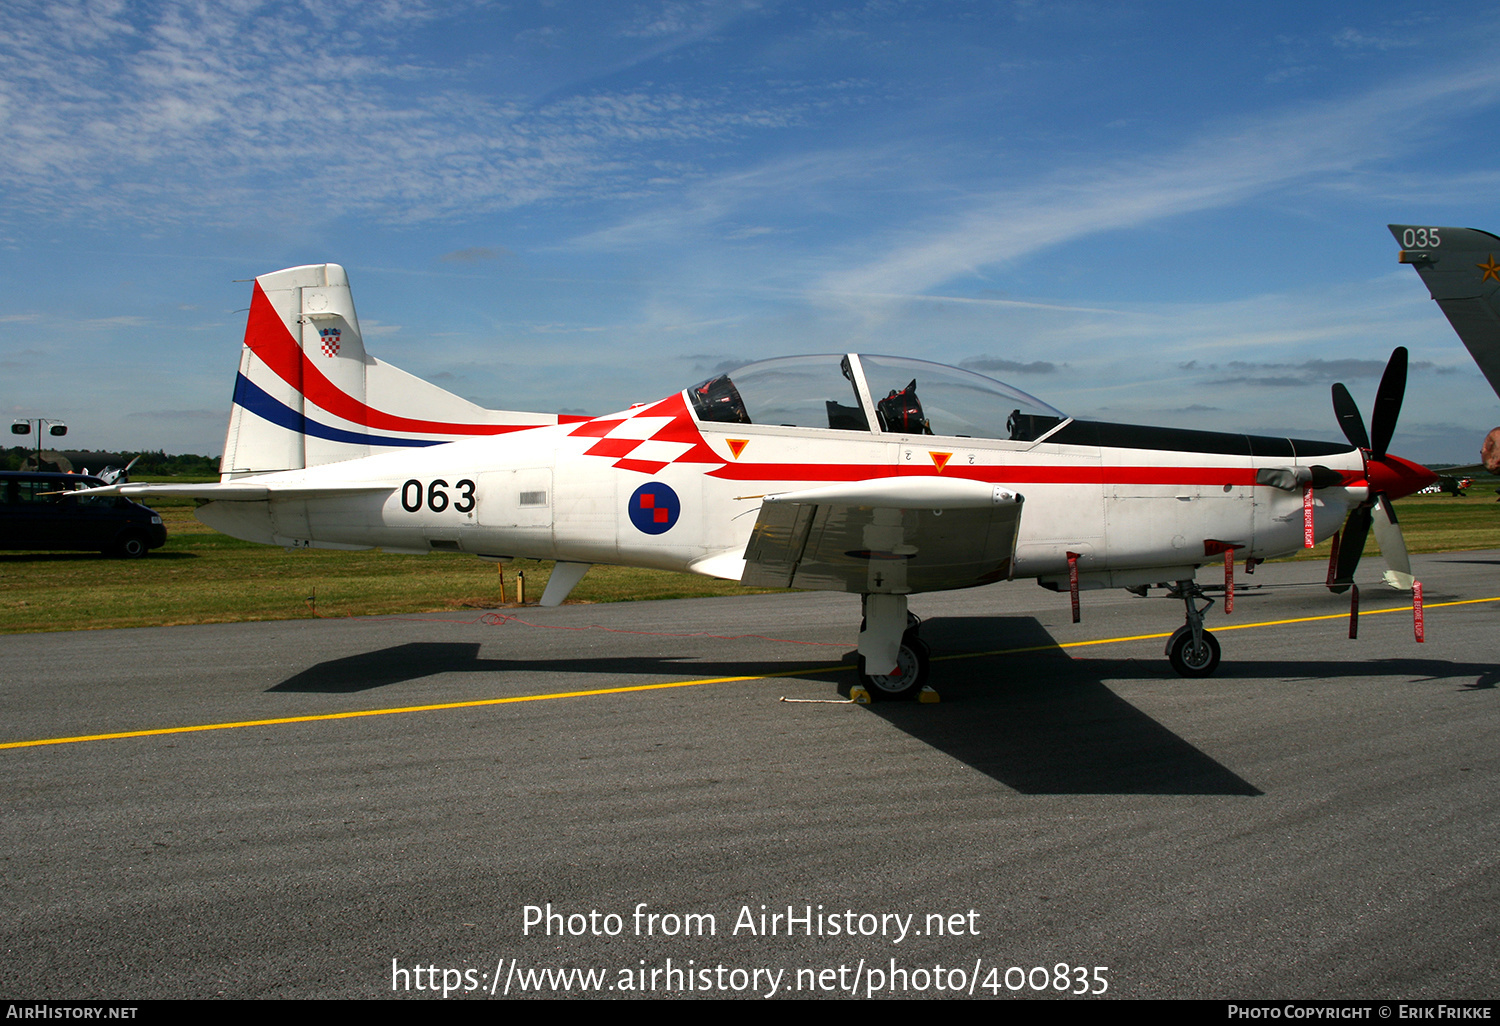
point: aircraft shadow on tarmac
(384, 667)
(415, 660)
(1044, 722)
(1039, 722)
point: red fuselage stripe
(1015, 474)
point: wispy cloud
(1354, 39)
(1308, 372)
(719, 205)
(473, 254)
(214, 416)
(995, 365)
(109, 323)
(185, 112)
(1222, 167)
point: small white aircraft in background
(877, 475)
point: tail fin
(1459, 268)
(308, 394)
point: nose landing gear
(1192, 651)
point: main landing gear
(1192, 651)
(888, 637)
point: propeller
(1388, 476)
(114, 475)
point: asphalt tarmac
(521, 792)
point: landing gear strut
(888, 637)
(1192, 651)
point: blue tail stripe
(252, 397)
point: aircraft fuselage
(575, 492)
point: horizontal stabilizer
(231, 491)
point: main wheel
(1191, 660)
(912, 660)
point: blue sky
(1166, 213)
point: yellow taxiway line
(804, 672)
(1218, 626)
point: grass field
(202, 576)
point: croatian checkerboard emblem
(654, 508)
(330, 340)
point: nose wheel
(1193, 657)
(1192, 651)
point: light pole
(22, 426)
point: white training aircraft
(877, 475)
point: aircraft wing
(895, 534)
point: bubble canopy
(908, 397)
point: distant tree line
(152, 464)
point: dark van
(37, 513)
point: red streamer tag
(1416, 611)
(1073, 583)
(1353, 611)
(1307, 517)
(1333, 560)
(1212, 546)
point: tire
(132, 546)
(1191, 662)
(914, 660)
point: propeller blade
(1388, 402)
(1349, 419)
(1385, 474)
(1392, 546)
(1351, 545)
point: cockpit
(888, 394)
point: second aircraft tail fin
(1460, 269)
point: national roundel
(654, 508)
